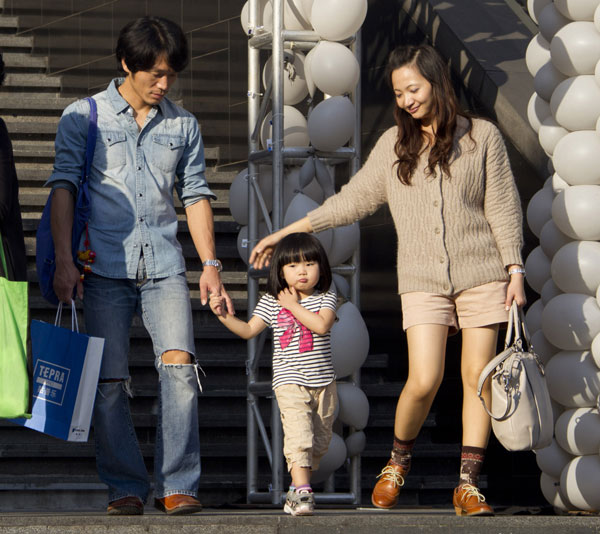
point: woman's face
(414, 93)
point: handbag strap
(91, 140)
(74, 322)
(517, 325)
(2, 258)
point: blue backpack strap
(91, 138)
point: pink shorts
(478, 306)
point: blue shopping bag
(66, 366)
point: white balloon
(296, 15)
(537, 54)
(596, 348)
(577, 9)
(307, 67)
(349, 341)
(550, 20)
(575, 212)
(558, 184)
(295, 88)
(295, 129)
(534, 7)
(345, 241)
(542, 347)
(265, 15)
(550, 133)
(546, 80)
(333, 459)
(575, 48)
(341, 286)
(336, 20)
(575, 267)
(575, 104)
(298, 208)
(578, 431)
(533, 317)
(573, 379)
(334, 68)
(579, 482)
(354, 406)
(552, 493)
(243, 246)
(291, 187)
(537, 266)
(552, 459)
(331, 123)
(571, 321)
(549, 291)
(539, 210)
(538, 110)
(577, 157)
(238, 193)
(355, 443)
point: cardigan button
(436, 203)
(437, 230)
(442, 260)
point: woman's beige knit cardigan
(453, 232)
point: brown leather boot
(386, 491)
(468, 500)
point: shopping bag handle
(74, 323)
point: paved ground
(326, 521)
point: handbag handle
(516, 323)
(74, 322)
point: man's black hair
(144, 41)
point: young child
(300, 308)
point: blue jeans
(164, 306)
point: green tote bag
(14, 380)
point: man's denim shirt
(132, 179)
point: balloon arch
(564, 59)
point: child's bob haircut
(293, 248)
(144, 41)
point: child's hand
(287, 297)
(216, 304)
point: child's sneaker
(299, 503)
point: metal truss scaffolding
(279, 155)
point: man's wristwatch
(213, 263)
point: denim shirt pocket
(167, 151)
(111, 149)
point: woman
(447, 181)
(11, 226)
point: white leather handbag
(521, 411)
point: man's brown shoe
(126, 506)
(468, 500)
(386, 491)
(178, 504)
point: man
(146, 147)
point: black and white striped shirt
(300, 356)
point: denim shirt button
(139, 168)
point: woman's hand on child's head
(287, 297)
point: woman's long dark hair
(293, 248)
(445, 108)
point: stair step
(32, 80)
(32, 125)
(14, 41)
(14, 60)
(9, 22)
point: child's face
(303, 276)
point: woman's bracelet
(516, 270)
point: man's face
(150, 86)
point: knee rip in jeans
(125, 384)
(192, 361)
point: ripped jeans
(164, 306)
